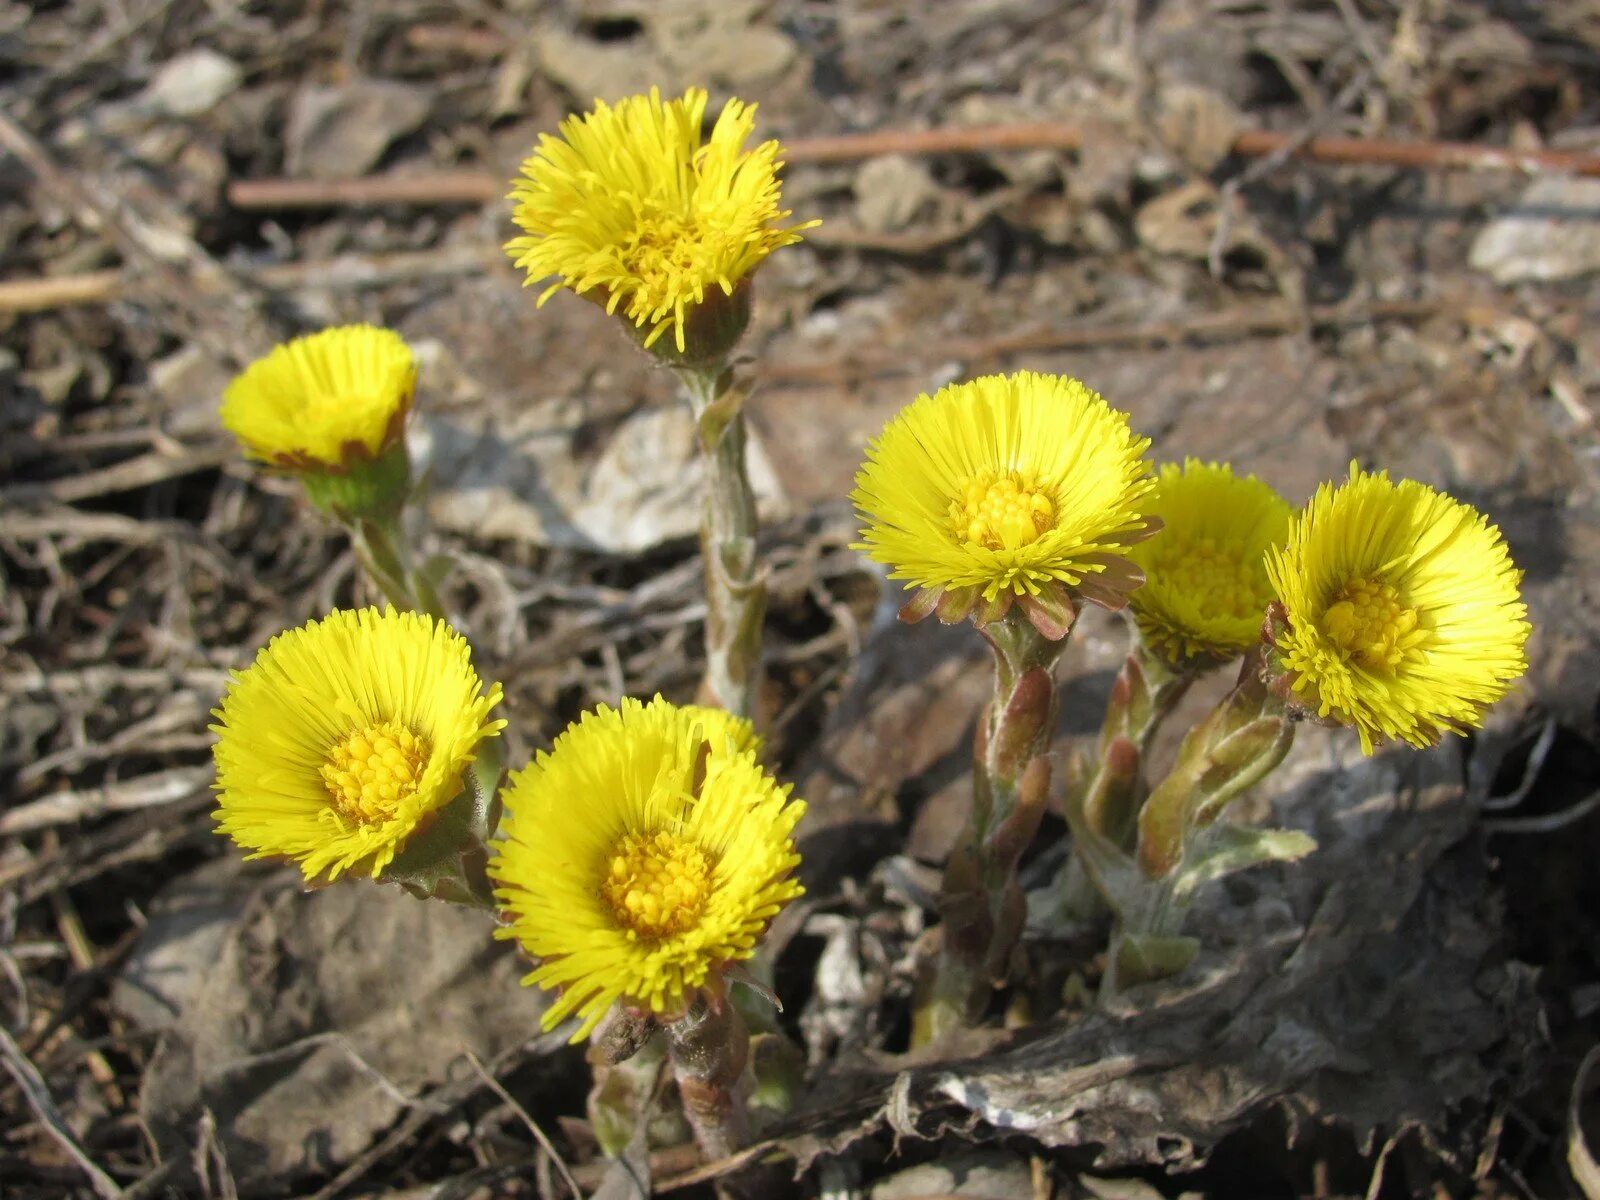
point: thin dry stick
(346, 271)
(539, 1135)
(65, 808)
(201, 298)
(38, 1098)
(476, 187)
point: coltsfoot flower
(642, 853)
(346, 737)
(331, 406)
(1007, 488)
(1401, 610)
(1205, 574)
(629, 205)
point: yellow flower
(1006, 487)
(345, 737)
(628, 202)
(324, 401)
(1205, 587)
(1401, 610)
(643, 852)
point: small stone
(342, 132)
(982, 1174)
(1550, 233)
(191, 84)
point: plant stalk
(981, 902)
(736, 596)
(380, 547)
(709, 1047)
(1109, 796)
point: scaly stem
(1108, 799)
(736, 596)
(710, 1051)
(1180, 840)
(981, 903)
(1238, 744)
(380, 547)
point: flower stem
(736, 596)
(710, 1050)
(981, 903)
(1107, 800)
(1237, 745)
(380, 547)
(1180, 840)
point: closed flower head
(1205, 574)
(346, 737)
(1009, 487)
(323, 400)
(629, 205)
(1402, 615)
(642, 853)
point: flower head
(628, 203)
(643, 852)
(1401, 610)
(1205, 574)
(345, 737)
(323, 400)
(1009, 487)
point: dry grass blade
(1579, 1159)
(64, 808)
(38, 1098)
(539, 1135)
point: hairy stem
(710, 1051)
(380, 547)
(981, 902)
(736, 596)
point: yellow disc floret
(372, 771)
(658, 883)
(1402, 611)
(1001, 513)
(1205, 574)
(644, 852)
(345, 736)
(1004, 484)
(1367, 621)
(324, 400)
(630, 204)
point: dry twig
(478, 187)
(37, 1095)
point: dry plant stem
(736, 595)
(981, 902)
(479, 187)
(709, 1047)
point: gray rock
(1552, 232)
(191, 84)
(342, 132)
(307, 1023)
(983, 1176)
(523, 477)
